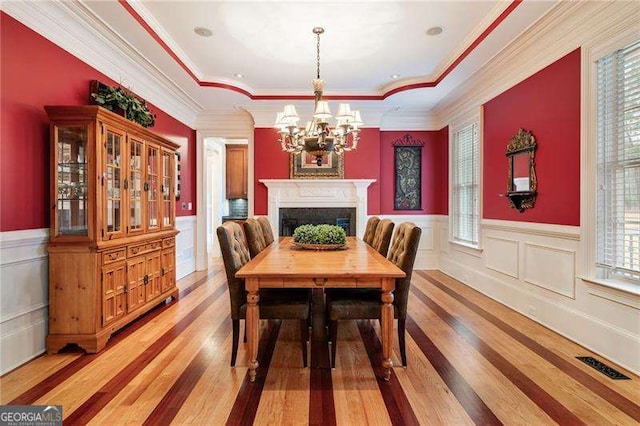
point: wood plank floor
(471, 360)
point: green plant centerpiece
(117, 98)
(319, 236)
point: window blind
(465, 174)
(618, 164)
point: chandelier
(317, 137)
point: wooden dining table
(285, 265)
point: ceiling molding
(156, 31)
(76, 29)
(402, 119)
(566, 27)
(264, 114)
(223, 123)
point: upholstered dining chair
(255, 237)
(274, 303)
(370, 230)
(366, 304)
(382, 236)
(267, 232)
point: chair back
(255, 239)
(403, 254)
(370, 230)
(235, 254)
(267, 232)
(382, 237)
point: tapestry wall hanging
(408, 173)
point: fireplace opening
(291, 218)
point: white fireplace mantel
(314, 193)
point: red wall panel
(33, 73)
(434, 171)
(548, 105)
(270, 162)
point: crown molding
(76, 29)
(566, 27)
(264, 114)
(402, 119)
(229, 122)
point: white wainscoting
(24, 298)
(533, 269)
(428, 256)
(501, 255)
(185, 246)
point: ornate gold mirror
(522, 183)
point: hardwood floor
(471, 360)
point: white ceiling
(272, 45)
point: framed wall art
(304, 166)
(407, 154)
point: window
(618, 164)
(465, 162)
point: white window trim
(474, 116)
(606, 45)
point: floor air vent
(603, 368)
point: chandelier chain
(318, 55)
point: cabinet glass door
(114, 210)
(153, 186)
(167, 189)
(71, 185)
(136, 177)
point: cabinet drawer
(114, 256)
(168, 242)
(321, 282)
(137, 249)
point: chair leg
(333, 338)
(236, 335)
(403, 351)
(304, 334)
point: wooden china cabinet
(112, 237)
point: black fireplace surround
(291, 218)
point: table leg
(252, 324)
(387, 325)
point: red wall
(372, 160)
(270, 162)
(435, 171)
(548, 105)
(34, 73)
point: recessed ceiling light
(434, 31)
(203, 32)
(238, 75)
(395, 75)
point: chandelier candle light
(317, 138)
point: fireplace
(319, 194)
(292, 217)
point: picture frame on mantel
(304, 166)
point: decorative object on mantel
(317, 138)
(122, 102)
(319, 237)
(304, 166)
(407, 153)
(521, 183)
